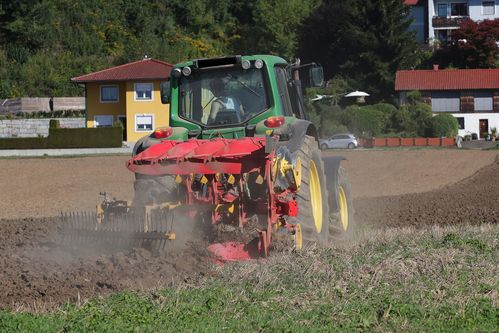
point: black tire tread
(310, 150)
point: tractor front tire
(312, 197)
(153, 190)
(342, 225)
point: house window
(144, 122)
(143, 91)
(459, 9)
(445, 101)
(452, 9)
(488, 7)
(108, 94)
(442, 10)
(460, 122)
(103, 121)
(483, 101)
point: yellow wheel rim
(315, 197)
(343, 206)
(298, 238)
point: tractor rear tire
(153, 190)
(312, 197)
(342, 225)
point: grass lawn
(399, 280)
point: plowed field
(390, 188)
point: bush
(102, 137)
(444, 125)
(367, 121)
(401, 120)
(422, 115)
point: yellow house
(129, 93)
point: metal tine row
(127, 230)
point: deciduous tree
(473, 45)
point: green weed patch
(399, 281)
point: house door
(122, 119)
(484, 127)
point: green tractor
(240, 158)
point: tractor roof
(268, 59)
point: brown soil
(390, 188)
(38, 273)
(473, 200)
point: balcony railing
(448, 22)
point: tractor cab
(236, 91)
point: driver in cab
(225, 108)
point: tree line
(43, 43)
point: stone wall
(24, 128)
(37, 104)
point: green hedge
(102, 137)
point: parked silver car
(343, 140)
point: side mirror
(165, 92)
(316, 75)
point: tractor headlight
(186, 71)
(245, 64)
(176, 73)
(258, 63)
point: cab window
(282, 87)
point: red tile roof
(411, 2)
(457, 79)
(145, 69)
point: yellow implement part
(294, 170)
(178, 179)
(171, 235)
(282, 167)
(231, 180)
(204, 180)
(259, 180)
(297, 173)
(164, 205)
(228, 208)
(100, 214)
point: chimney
(435, 67)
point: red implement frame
(211, 159)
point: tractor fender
(179, 133)
(144, 143)
(331, 170)
(293, 135)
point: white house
(470, 95)
(435, 19)
(446, 15)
